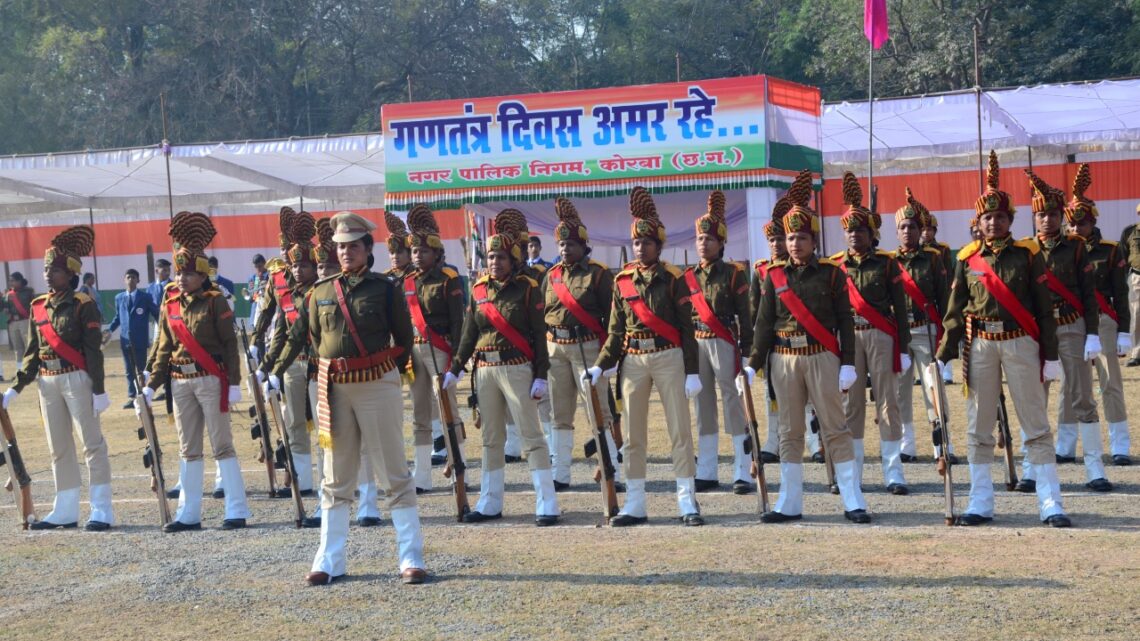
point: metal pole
(409, 87)
(978, 101)
(870, 115)
(1030, 152)
(677, 64)
(166, 154)
(94, 251)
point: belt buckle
(799, 342)
(563, 333)
(52, 365)
(492, 357)
(993, 327)
(416, 332)
(188, 368)
(644, 344)
(1057, 313)
(859, 320)
(910, 317)
(339, 365)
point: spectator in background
(88, 287)
(224, 284)
(534, 255)
(18, 307)
(254, 292)
(134, 309)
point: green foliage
(88, 73)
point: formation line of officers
(533, 337)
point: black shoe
(625, 520)
(779, 517)
(129, 404)
(1028, 486)
(559, 486)
(693, 520)
(48, 525)
(1066, 459)
(818, 458)
(834, 489)
(908, 458)
(220, 493)
(233, 524)
(857, 516)
(161, 396)
(768, 457)
(438, 459)
(545, 520)
(281, 493)
(970, 520)
(705, 485)
(1133, 362)
(512, 459)
(421, 490)
(953, 459)
(173, 494)
(1099, 485)
(309, 492)
(368, 521)
(742, 487)
(619, 487)
(898, 489)
(179, 526)
(311, 522)
(479, 517)
(1121, 459)
(97, 526)
(1058, 520)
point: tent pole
(166, 154)
(677, 64)
(870, 115)
(1030, 151)
(94, 250)
(978, 102)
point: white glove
(1051, 371)
(260, 375)
(101, 402)
(148, 396)
(904, 362)
(450, 380)
(610, 372)
(942, 365)
(750, 373)
(146, 377)
(235, 393)
(1123, 343)
(273, 382)
(1092, 347)
(9, 396)
(592, 375)
(846, 377)
(538, 388)
(692, 385)
(253, 353)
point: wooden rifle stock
(152, 457)
(605, 462)
(754, 434)
(452, 433)
(290, 464)
(257, 413)
(1005, 441)
(19, 482)
(815, 428)
(941, 436)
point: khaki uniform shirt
(925, 267)
(76, 318)
(822, 287)
(759, 273)
(519, 300)
(1130, 246)
(590, 283)
(663, 289)
(1110, 276)
(211, 322)
(283, 328)
(877, 277)
(25, 296)
(725, 286)
(378, 310)
(268, 298)
(440, 293)
(1022, 269)
(1065, 257)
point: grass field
(905, 576)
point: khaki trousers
(425, 404)
(814, 379)
(566, 385)
(502, 388)
(18, 339)
(920, 357)
(718, 362)
(874, 353)
(67, 405)
(197, 406)
(296, 391)
(1109, 374)
(366, 419)
(1019, 358)
(1076, 402)
(1134, 308)
(639, 373)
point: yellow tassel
(309, 426)
(324, 440)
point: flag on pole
(875, 22)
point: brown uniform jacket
(1110, 275)
(378, 310)
(590, 283)
(877, 277)
(663, 289)
(725, 286)
(519, 300)
(77, 320)
(1021, 268)
(1066, 258)
(283, 328)
(925, 266)
(211, 322)
(440, 293)
(25, 296)
(822, 287)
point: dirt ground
(905, 576)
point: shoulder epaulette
(83, 298)
(43, 297)
(169, 285)
(528, 279)
(599, 264)
(761, 263)
(327, 279)
(450, 271)
(1028, 243)
(275, 265)
(837, 256)
(778, 263)
(827, 261)
(483, 278)
(737, 266)
(1075, 238)
(969, 250)
(1111, 243)
(883, 252)
(539, 268)
(932, 250)
(628, 271)
(677, 272)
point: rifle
(456, 468)
(941, 435)
(832, 486)
(152, 455)
(1005, 441)
(754, 434)
(605, 462)
(290, 464)
(19, 482)
(260, 427)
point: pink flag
(875, 21)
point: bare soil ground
(905, 576)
